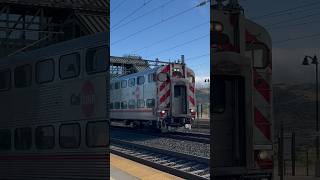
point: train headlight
(264, 155)
(163, 111)
(217, 26)
(191, 110)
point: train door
(179, 102)
(229, 121)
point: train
(162, 98)
(241, 108)
(54, 111)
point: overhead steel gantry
(29, 24)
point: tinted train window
(150, 103)
(23, 76)
(69, 66)
(5, 139)
(132, 104)
(70, 135)
(124, 84)
(111, 105)
(140, 103)
(117, 105)
(151, 77)
(22, 138)
(97, 134)
(45, 137)
(117, 85)
(132, 82)
(140, 80)
(45, 71)
(97, 60)
(5, 80)
(111, 85)
(124, 105)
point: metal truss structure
(30, 24)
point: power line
(293, 25)
(286, 10)
(291, 13)
(149, 12)
(112, 10)
(132, 13)
(296, 38)
(172, 36)
(160, 22)
(293, 19)
(182, 44)
(197, 57)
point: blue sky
(193, 28)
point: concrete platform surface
(124, 169)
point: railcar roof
(136, 74)
(97, 39)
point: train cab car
(54, 122)
(241, 108)
(163, 97)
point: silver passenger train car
(53, 111)
(162, 97)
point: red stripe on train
(165, 96)
(166, 69)
(191, 100)
(262, 124)
(163, 85)
(262, 86)
(191, 89)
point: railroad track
(179, 164)
(195, 137)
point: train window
(111, 85)
(5, 80)
(69, 135)
(97, 134)
(140, 80)
(44, 137)
(111, 105)
(191, 78)
(123, 83)
(117, 85)
(5, 140)
(151, 77)
(23, 138)
(97, 60)
(69, 66)
(219, 93)
(132, 82)
(150, 103)
(132, 104)
(140, 103)
(45, 71)
(259, 54)
(117, 105)
(23, 76)
(124, 105)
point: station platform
(124, 169)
